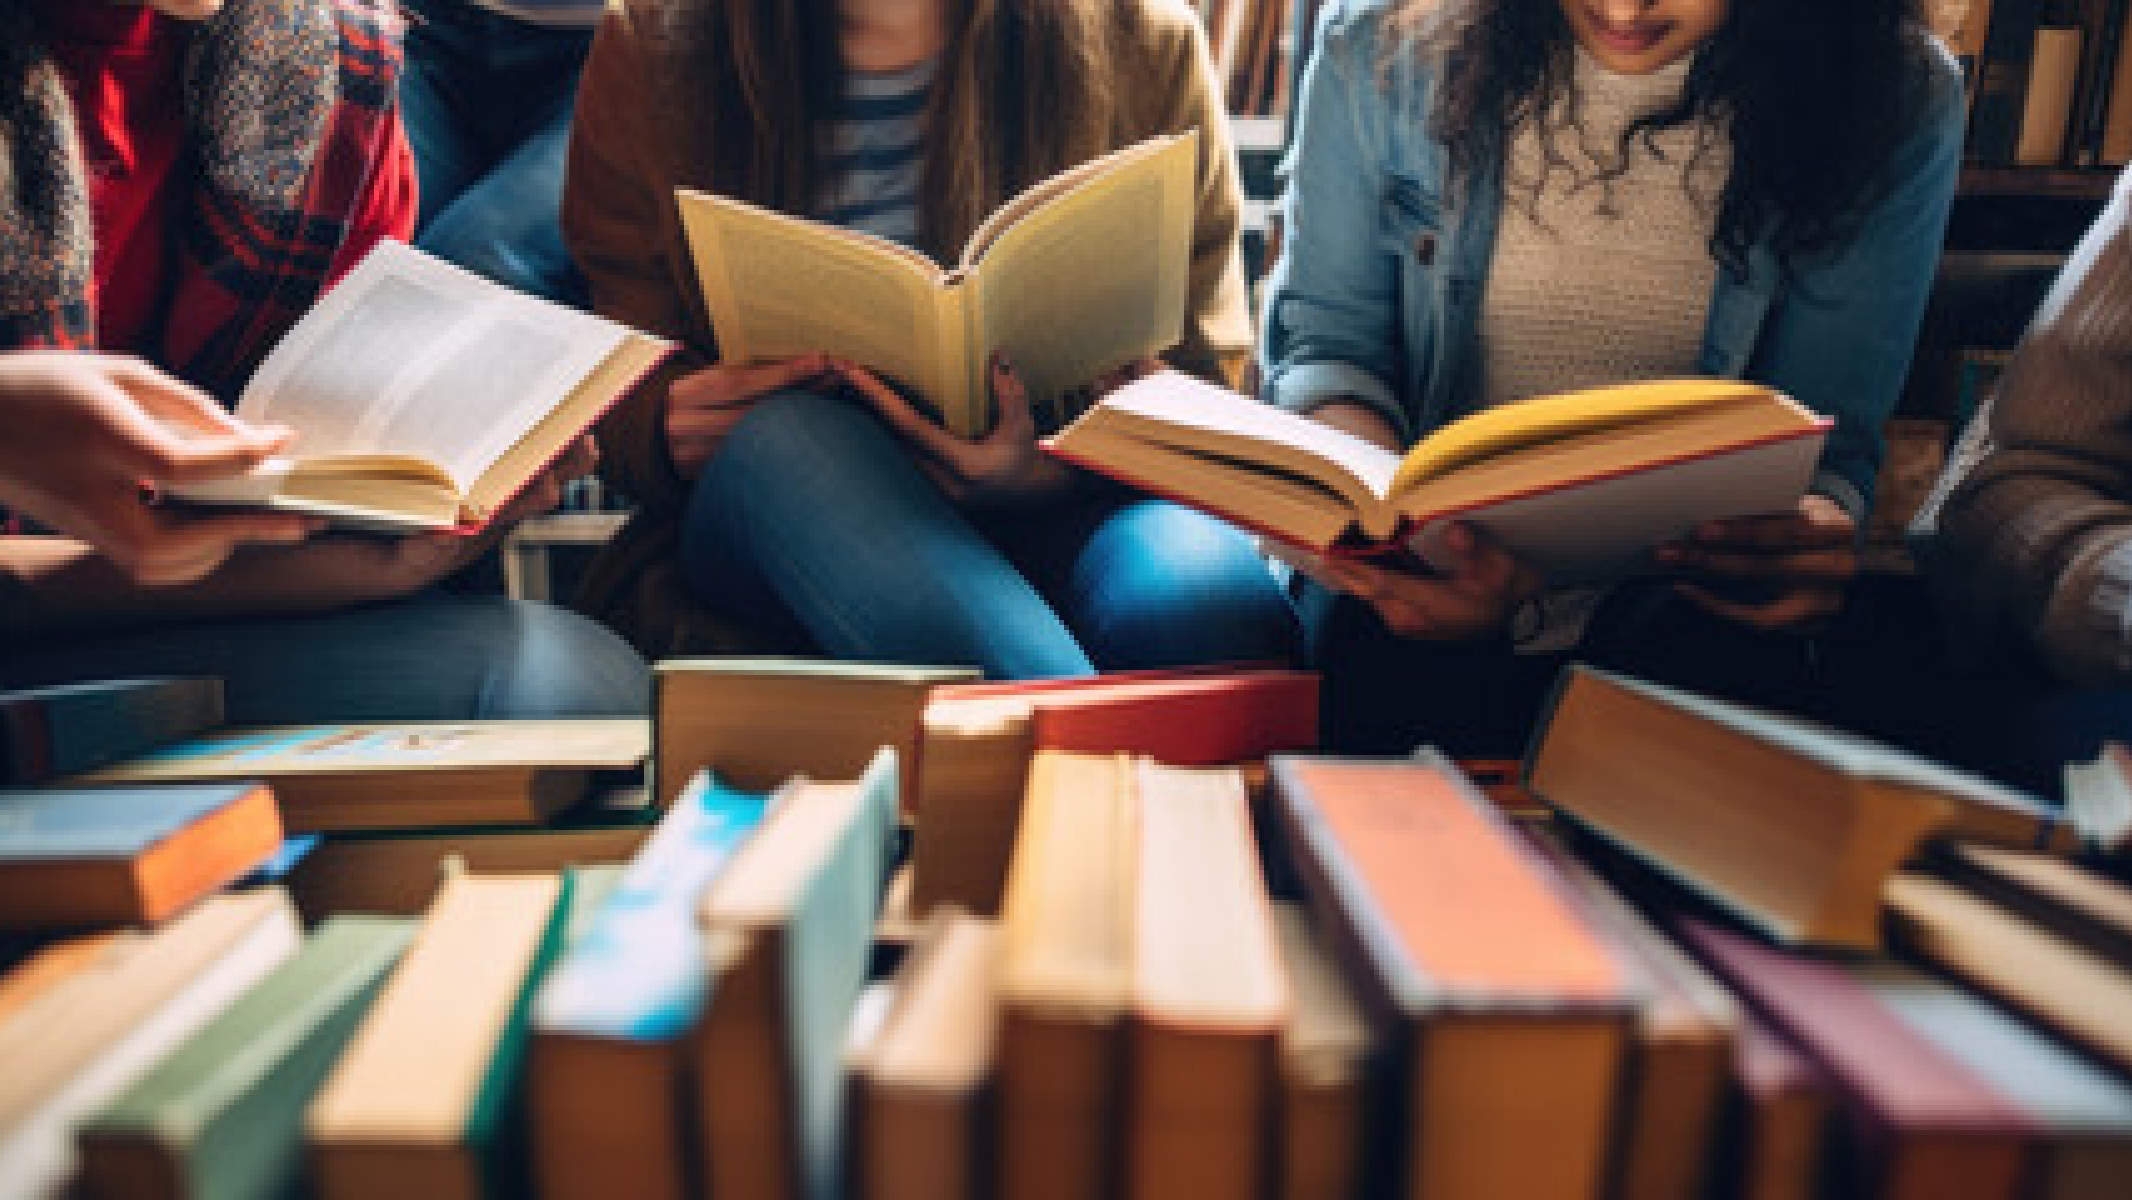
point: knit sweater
(1601, 271)
(2031, 525)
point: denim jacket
(1377, 294)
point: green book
(222, 1116)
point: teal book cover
(53, 731)
(639, 973)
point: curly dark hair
(1815, 95)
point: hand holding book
(1476, 589)
(702, 407)
(1779, 571)
(1004, 466)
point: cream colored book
(82, 1040)
(1210, 992)
(1325, 1062)
(922, 1080)
(1081, 273)
(416, 1102)
(411, 774)
(426, 397)
(1066, 965)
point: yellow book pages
(1091, 276)
(1507, 427)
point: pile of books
(891, 932)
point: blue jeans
(433, 657)
(487, 102)
(814, 518)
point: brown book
(1066, 979)
(398, 873)
(1680, 1057)
(790, 924)
(2083, 996)
(1792, 826)
(758, 722)
(1325, 1052)
(406, 774)
(924, 1081)
(1776, 1121)
(416, 1104)
(76, 857)
(2077, 904)
(978, 740)
(1484, 981)
(1210, 994)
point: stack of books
(1736, 955)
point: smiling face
(1636, 37)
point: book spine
(2105, 38)
(2002, 81)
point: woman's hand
(89, 431)
(1005, 466)
(702, 407)
(1474, 592)
(1784, 571)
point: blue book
(609, 1023)
(61, 730)
(75, 857)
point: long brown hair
(1023, 90)
(1811, 145)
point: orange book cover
(1506, 1015)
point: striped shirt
(877, 153)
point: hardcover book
(1579, 486)
(426, 397)
(415, 774)
(1793, 826)
(73, 857)
(1080, 274)
(49, 732)
(1478, 975)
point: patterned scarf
(262, 81)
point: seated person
(2028, 537)
(1496, 199)
(159, 210)
(88, 430)
(804, 496)
(486, 98)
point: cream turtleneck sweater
(1599, 278)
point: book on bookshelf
(1479, 975)
(1079, 274)
(1579, 486)
(221, 1116)
(400, 775)
(2047, 105)
(1999, 89)
(790, 927)
(418, 1103)
(75, 857)
(758, 722)
(1793, 826)
(609, 1062)
(50, 732)
(81, 1041)
(426, 397)
(923, 1082)
(1209, 996)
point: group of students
(1485, 199)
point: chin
(187, 10)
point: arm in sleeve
(615, 209)
(1332, 301)
(2035, 529)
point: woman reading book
(184, 178)
(1493, 199)
(805, 497)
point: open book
(426, 397)
(1580, 486)
(1080, 274)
